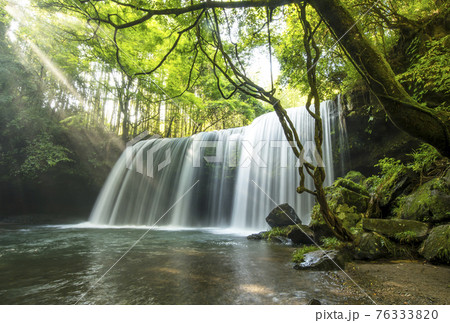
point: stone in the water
(280, 239)
(322, 260)
(393, 228)
(314, 302)
(255, 236)
(436, 248)
(281, 216)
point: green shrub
(299, 254)
(406, 237)
(330, 243)
(424, 157)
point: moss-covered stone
(370, 246)
(436, 247)
(429, 203)
(393, 186)
(355, 177)
(348, 215)
(393, 228)
(352, 186)
(341, 195)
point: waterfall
(228, 178)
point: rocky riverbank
(399, 218)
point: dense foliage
(73, 72)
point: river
(66, 264)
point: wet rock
(301, 234)
(256, 236)
(281, 216)
(314, 302)
(280, 239)
(396, 228)
(429, 203)
(322, 260)
(436, 248)
(370, 246)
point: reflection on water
(56, 265)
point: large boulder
(396, 228)
(322, 260)
(371, 246)
(345, 191)
(429, 203)
(281, 216)
(436, 248)
(400, 183)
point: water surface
(59, 264)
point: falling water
(228, 178)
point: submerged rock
(430, 202)
(322, 260)
(281, 216)
(396, 228)
(370, 246)
(436, 248)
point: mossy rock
(429, 203)
(348, 215)
(396, 228)
(352, 186)
(342, 195)
(371, 246)
(355, 177)
(436, 248)
(392, 187)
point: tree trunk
(408, 115)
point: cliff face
(371, 135)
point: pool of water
(71, 264)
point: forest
(80, 80)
